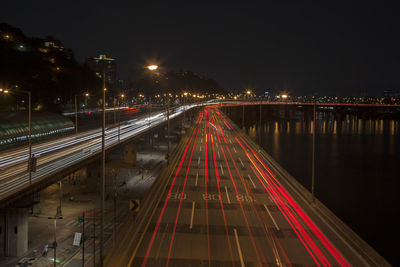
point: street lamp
(119, 115)
(6, 91)
(152, 67)
(76, 110)
(284, 96)
(184, 107)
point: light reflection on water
(330, 126)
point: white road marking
(191, 217)
(238, 248)
(234, 149)
(200, 148)
(241, 161)
(198, 161)
(201, 140)
(219, 155)
(248, 175)
(272, 218)
(197, 179)
(222, 169)
(230, 141)
(227, 195)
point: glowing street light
(152, 67)
(284, 96)
(248, 92)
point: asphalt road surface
(224, 206)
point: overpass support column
(14, 232)
(93, 172)
(130, 154)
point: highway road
(224, 206)
(59, 154)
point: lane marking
(197, 179)
(241, 162)
(200, 148)
(227, 195)
(219, 155)
(230, 141)
(248, 175)
(198, 161)
(222, 169)
(272, 218)
(191, 217)
(201, 140)
(234, 149)
(238, 248)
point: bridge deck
(225, 206)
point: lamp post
(168, 125)
(184, 107)
(149, 107)
(119, 116)
(103, 170)
(76, 110)
(313, 156)
(6, 91)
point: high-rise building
(101, 65)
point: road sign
(134, 205)
(77, 239)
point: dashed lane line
(238, 248)
(272, 218)
(254, 185)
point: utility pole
(313, 157)
(29, 133)
(168, 125)
(55, 241)
(103, 169)
(259, 134)
(115, 207)
(83, 240)
(184, 109)
(119, 120)
(59, 213)
(149, 107)
(243, 116)
(76, 114)
(115, 111)
(94, 239)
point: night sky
(335, 47)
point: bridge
(221, 201)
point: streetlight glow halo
(152, 67)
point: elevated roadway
(224, 202)
(57, 156)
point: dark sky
(335, 47)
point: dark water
(357, 169)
